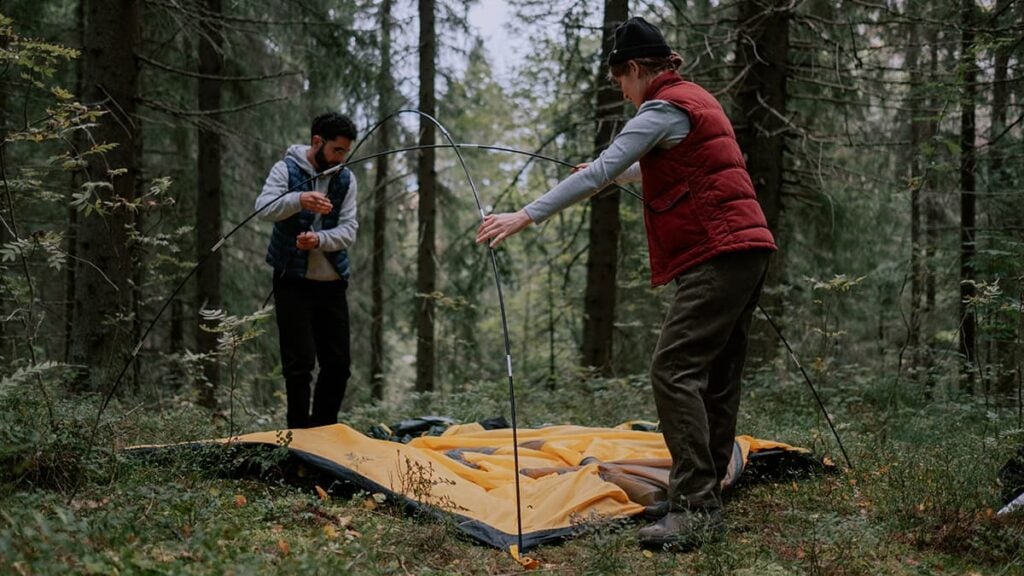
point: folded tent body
(568, 474)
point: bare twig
(190, 74)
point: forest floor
(919, 500)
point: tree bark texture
(101, 329)
(933, 212)
(208, 203)
(7, 353)
(385, 89)
(968, 195)
(916, 181)
(762, 48)
(426, 253)
(605, 227)
(1004, 213)
(76, 181)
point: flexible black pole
(810, 385)
(487, 147)
(504, 318)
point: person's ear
(317, 142)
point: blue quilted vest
(282, 254)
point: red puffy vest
(699, 200)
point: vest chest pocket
(674, 222)
(669, 199)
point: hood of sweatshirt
(297, 152)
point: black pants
(696, 372)
(312, 326)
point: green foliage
(920, 499)
(44, 454)
(32, 56)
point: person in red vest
(707, 234)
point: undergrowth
(920, 498)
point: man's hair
(331, 125)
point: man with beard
(314, 225)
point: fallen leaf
(352, 534)
(648, 554)
(529, 563)
(321, 493)
(330, 531)
(370, 504)
(277, 528)
(283, 547)
(240, 501)
(344, 522)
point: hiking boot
(683, 530)
(656, 511)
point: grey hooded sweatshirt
(341, 237)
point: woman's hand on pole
(497, 227)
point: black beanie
(637, 38)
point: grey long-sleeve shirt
(657, 124)
(340, 237)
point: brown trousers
(696, 371)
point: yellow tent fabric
(569, 474)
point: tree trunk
(933, 215)
(426, 263)
(76, 181)
(208, 202)
(967, 319)
(5, 291)
(916, 129)
(385, 89)
(184, 208)
(1004, 214)
(100, 330)
(762, 50)
(605, 228)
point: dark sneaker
(683, 530)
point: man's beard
(321, 161)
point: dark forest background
(884, 138)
